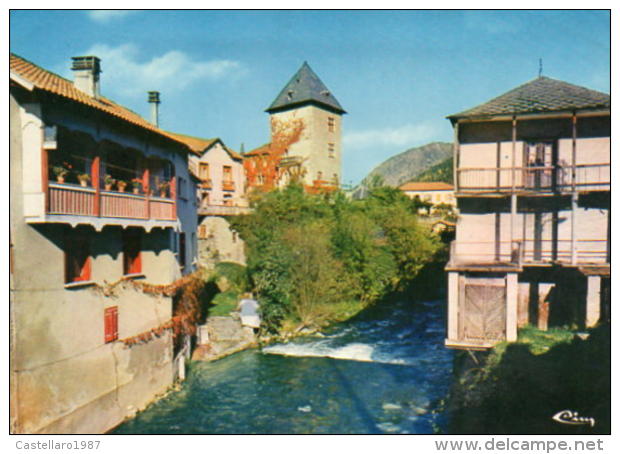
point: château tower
(305, 97)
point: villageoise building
(101, 204)
(532, 182)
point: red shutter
(111, 324)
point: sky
(398, 74)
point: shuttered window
(111, 324)
(132, 260)
(77, 256)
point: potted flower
(108, 182)
(121, 184)
(60, 172)
(163, 188)
(136, 184)
(83, 178)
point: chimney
(154, 102)
(86, 72)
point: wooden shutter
(111, 324)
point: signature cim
(572, 417)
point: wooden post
(453, 305)
(45, 178)
(455, 158)
(173, 196)
(573, 216)
(511, 306)
(593, 301)
(513, 196)
(95, 173)
(147, 191)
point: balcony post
(45, 178)
(574, 153)
(455, 158)
(147, 191)
(173, 195)
(573, 229)
(95, 173)
(514, 152)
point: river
(382, 372)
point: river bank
(518, 388)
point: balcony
(206, 184)
(228, 185)
(207, 209)
(68, 199)
(552, 179)
(515, 254)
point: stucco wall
(221, 244)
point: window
(132, 260)
(181, 190)
(202, 231)
(319, 175)
(234, 236)
(331, 124)
(182, 252)
(77, 256)
(203, 171)
(227, 200)
(227, 173)
(331, 150)
(335, 179)
(110, 322)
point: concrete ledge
(469, 345)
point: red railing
(76, 200)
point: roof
(305, 87)
(32, 77)
(542, 94)
(199, 145)
(427, 186)
(262, 150)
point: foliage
(235, 273)
(223, 304)
(308, 255)
(442, 171)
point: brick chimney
(86, 72)
(154, 102)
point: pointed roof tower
(305, 87)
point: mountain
(407, 165)
(442, 171)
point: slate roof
(305, 87)
(49, 82)
(427, 186)
(542, 94)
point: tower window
(331, 124)
(331, 150)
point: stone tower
(305, 97)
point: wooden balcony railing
(82, 201)
(534, 179)
(529, 252)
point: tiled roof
(49, 82)
(305, 88)
(262, 150)
(427, 186)
(199, 145)
(539, 95)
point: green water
(383, 372)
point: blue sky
(397, 73)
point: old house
(220, 194)
(306, 138)
(532, 181)
(101, 211)
(433, 192)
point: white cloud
(107, 15)
(402, 136)
(125, 74)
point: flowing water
(382, 372)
